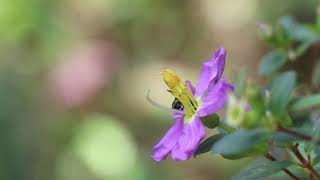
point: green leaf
(296, 170)
(281, 92)
(240, 82)
(262, 170)
(211, 121)
(241, 143)
(207, 144)
(288, 23)
(278, 38)
(280, 138)
(306, 102)
(295, 30)
(317, 158)
(316, 75)
(301, 49)
(271, 62)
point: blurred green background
(74, 73)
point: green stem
(226, 128)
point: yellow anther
(180, 90)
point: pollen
(180, 90)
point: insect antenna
(162, 107)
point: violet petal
(191, 87)
(167, 143)
(189, 141)
(215, 99)
(212, 71)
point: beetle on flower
(209, 97)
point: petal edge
(193, 134)
(167, 143)
(212, 71)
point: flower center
(181, 92)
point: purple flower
(210, 96)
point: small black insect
(176, 104)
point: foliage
(282, 114)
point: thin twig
(295, 133)
(288, 172)
(304, 162)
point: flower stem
(288, 172)
(304, 162)
(226, 128)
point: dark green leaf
(211, 121)
(272, 61)
(306, 102)
(279, 137)
(263, 170)
(207, 144)
(281, 92)
(241, 143)
(304, 129)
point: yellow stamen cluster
(181, 91)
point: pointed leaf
(262, 170)
(207, 144)
(241, 143)
(281, 92)
(306, 102)
(271, 62)
(211, 121)
(295, 30)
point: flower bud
(265, 29)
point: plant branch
(288, 172)
(304, 162)
(295, 133)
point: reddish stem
(295, 133)
(304, 162)
(289, 173)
